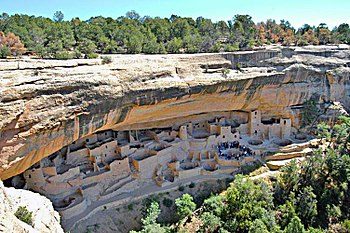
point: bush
(210, 222)
(4, 52)
(63, 55)
(184, 205)
(192, 185)
(231, 48)
(24, 215)
(174, 45)
(106, 60)
(77, 54)
(167, 202)
(225, 72)
(346, 225)
(151, 47)
(181, 188)
(91, 55)
(130, 206)
(309, 112)
(250, 167)
(41, 51)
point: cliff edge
(46, 104)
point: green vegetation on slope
(311, 196)
(23, 214)
(62, 39)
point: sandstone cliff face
(46, 105)
(45, 219)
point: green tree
(192, 43)
(185, 205)
(214, 204)
(315, 230)
(160, 28)
(244, 30)
(152, 214)
(151, 45)
(86, 46)
(58, 16)
(149, 222)
(310, 112)
(134, 44)
(295, 226)
(210, 222)
(180, 28)
(132, 15)
(342, 33)
(288, 180)
(258, 227)
(4, 51)
(286, 213)
(205, 26)
(60, 37)
(174, 45)
(346, 225)
(247, 201)
(307, 205)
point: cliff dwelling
(101, 165)
(90, 136)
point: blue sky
(298, 12)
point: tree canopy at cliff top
(62, 39)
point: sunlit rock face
(47, 105)
(44, 218)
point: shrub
(231, 48)
(225, 72)
(167, 202)
(4, 52)
(346, 225)
(250, 167)
(192, 185)
(130, 206)
(210, 221)
(309, 112)
(106, 60)
(174, 45)
(91, 55)
(40, 51)
(181, 188)
(24, 215)
(77, 54)
(184, 205)
(63, 55)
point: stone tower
(286, 125)
(183, 132)
(254, 123)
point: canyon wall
(46, 105)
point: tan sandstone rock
(46, 105)
(45, 219)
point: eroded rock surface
(46, 105)
(45, 219)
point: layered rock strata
(47, 105)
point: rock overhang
(46, 105)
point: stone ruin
(102, 165)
